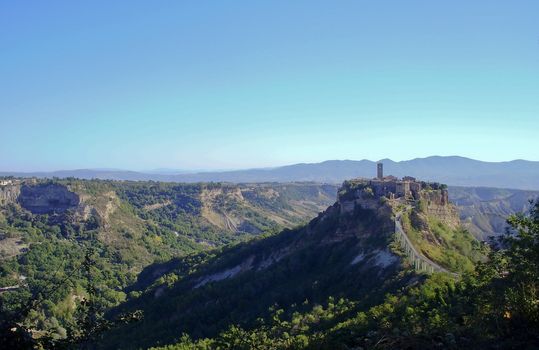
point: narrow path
(5, 289)
(419, 261)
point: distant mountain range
(452, 170)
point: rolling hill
(348, 251)
(452, 170)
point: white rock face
(360, 257)
(384, 259)
(380, 258)
(228, 273)
(272, 259)
(219, 276)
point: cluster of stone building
(5, 182)
(391, 187)
(10, 182)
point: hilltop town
(407, 189)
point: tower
(380, 170)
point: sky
(240, 84)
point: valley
(269, 175)
(206, 256)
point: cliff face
(9, 194)
(484, 211)
(47, 198)
(432, 202)
(435, 203)
(353, 194)
(430, 224)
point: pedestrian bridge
(418, 260)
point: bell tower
(380, 170)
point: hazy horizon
(171, 170)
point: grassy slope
(452, 247)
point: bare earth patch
(11, 246)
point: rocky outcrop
(9, 194)
(47, 198)
(437, 197)
(350, 198)
(349, 205)
(435, 203)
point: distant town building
(380, 171)
(392, 187)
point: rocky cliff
(9, 194)
(435, 203)
(47, 198)
(432, 200)
(430, 222)
(484, 211)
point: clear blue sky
(234, 84)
